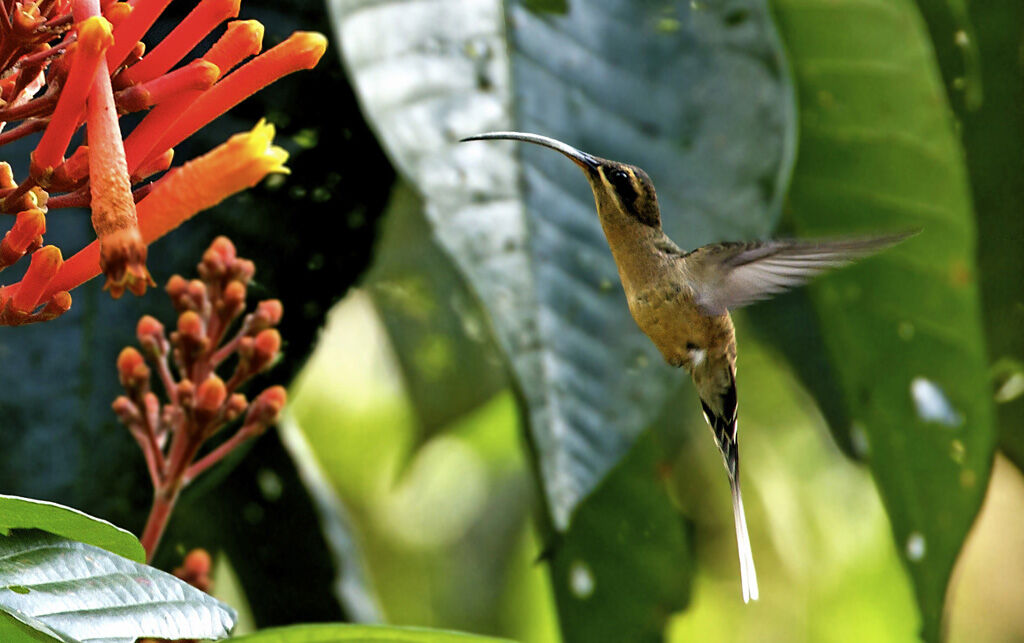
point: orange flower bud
(176, 289)
(133, 372)
(302, 50)
(195, 570)
(197, 562)
(186, 392)
(150, 334)
(190, 325)
(126, 411)
(233, 299)
(265, 348)
(243, 270)
(217, 259)
(265, 410)
(211, 394)
(7, 176)
(268, 313)
(236, 406)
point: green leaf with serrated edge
(78, 592)
(713, 129)
(25, 513)
(878, 152)
(329, 633)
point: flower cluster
(199, 402)
(69, 63)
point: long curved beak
(584, 160)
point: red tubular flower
(194, 77)
(242, 39)
(59, 63)
(122, 250)
(27, 231)
(207, 15)
(144, 13)
(200, 184)
(301, 50)
(94, 38)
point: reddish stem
(183, 449)
(218, 454)
(159, 514)
(149, 452)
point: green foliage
(440, 336)
(892, 349)
(25, 513)
(625, 564)
(73, 592)
(992, 133)
(878, 152)
(362, 634)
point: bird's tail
(748, 576)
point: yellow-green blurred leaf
(878, 152)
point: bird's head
(622, 192)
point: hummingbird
(681, 299)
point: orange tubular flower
(200, 184)
(60, 62)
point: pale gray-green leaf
(698, 97)
(80, 593)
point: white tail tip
(748, 576)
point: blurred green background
(478, 437)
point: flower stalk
(199, 402)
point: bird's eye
(623, 185)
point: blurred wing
(731, 275)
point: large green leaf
(878, 152)
(713, 130)
(624, 567)
(25, 513)
(993, 138)
(77, 592)
(362, 633)
(441, 340)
